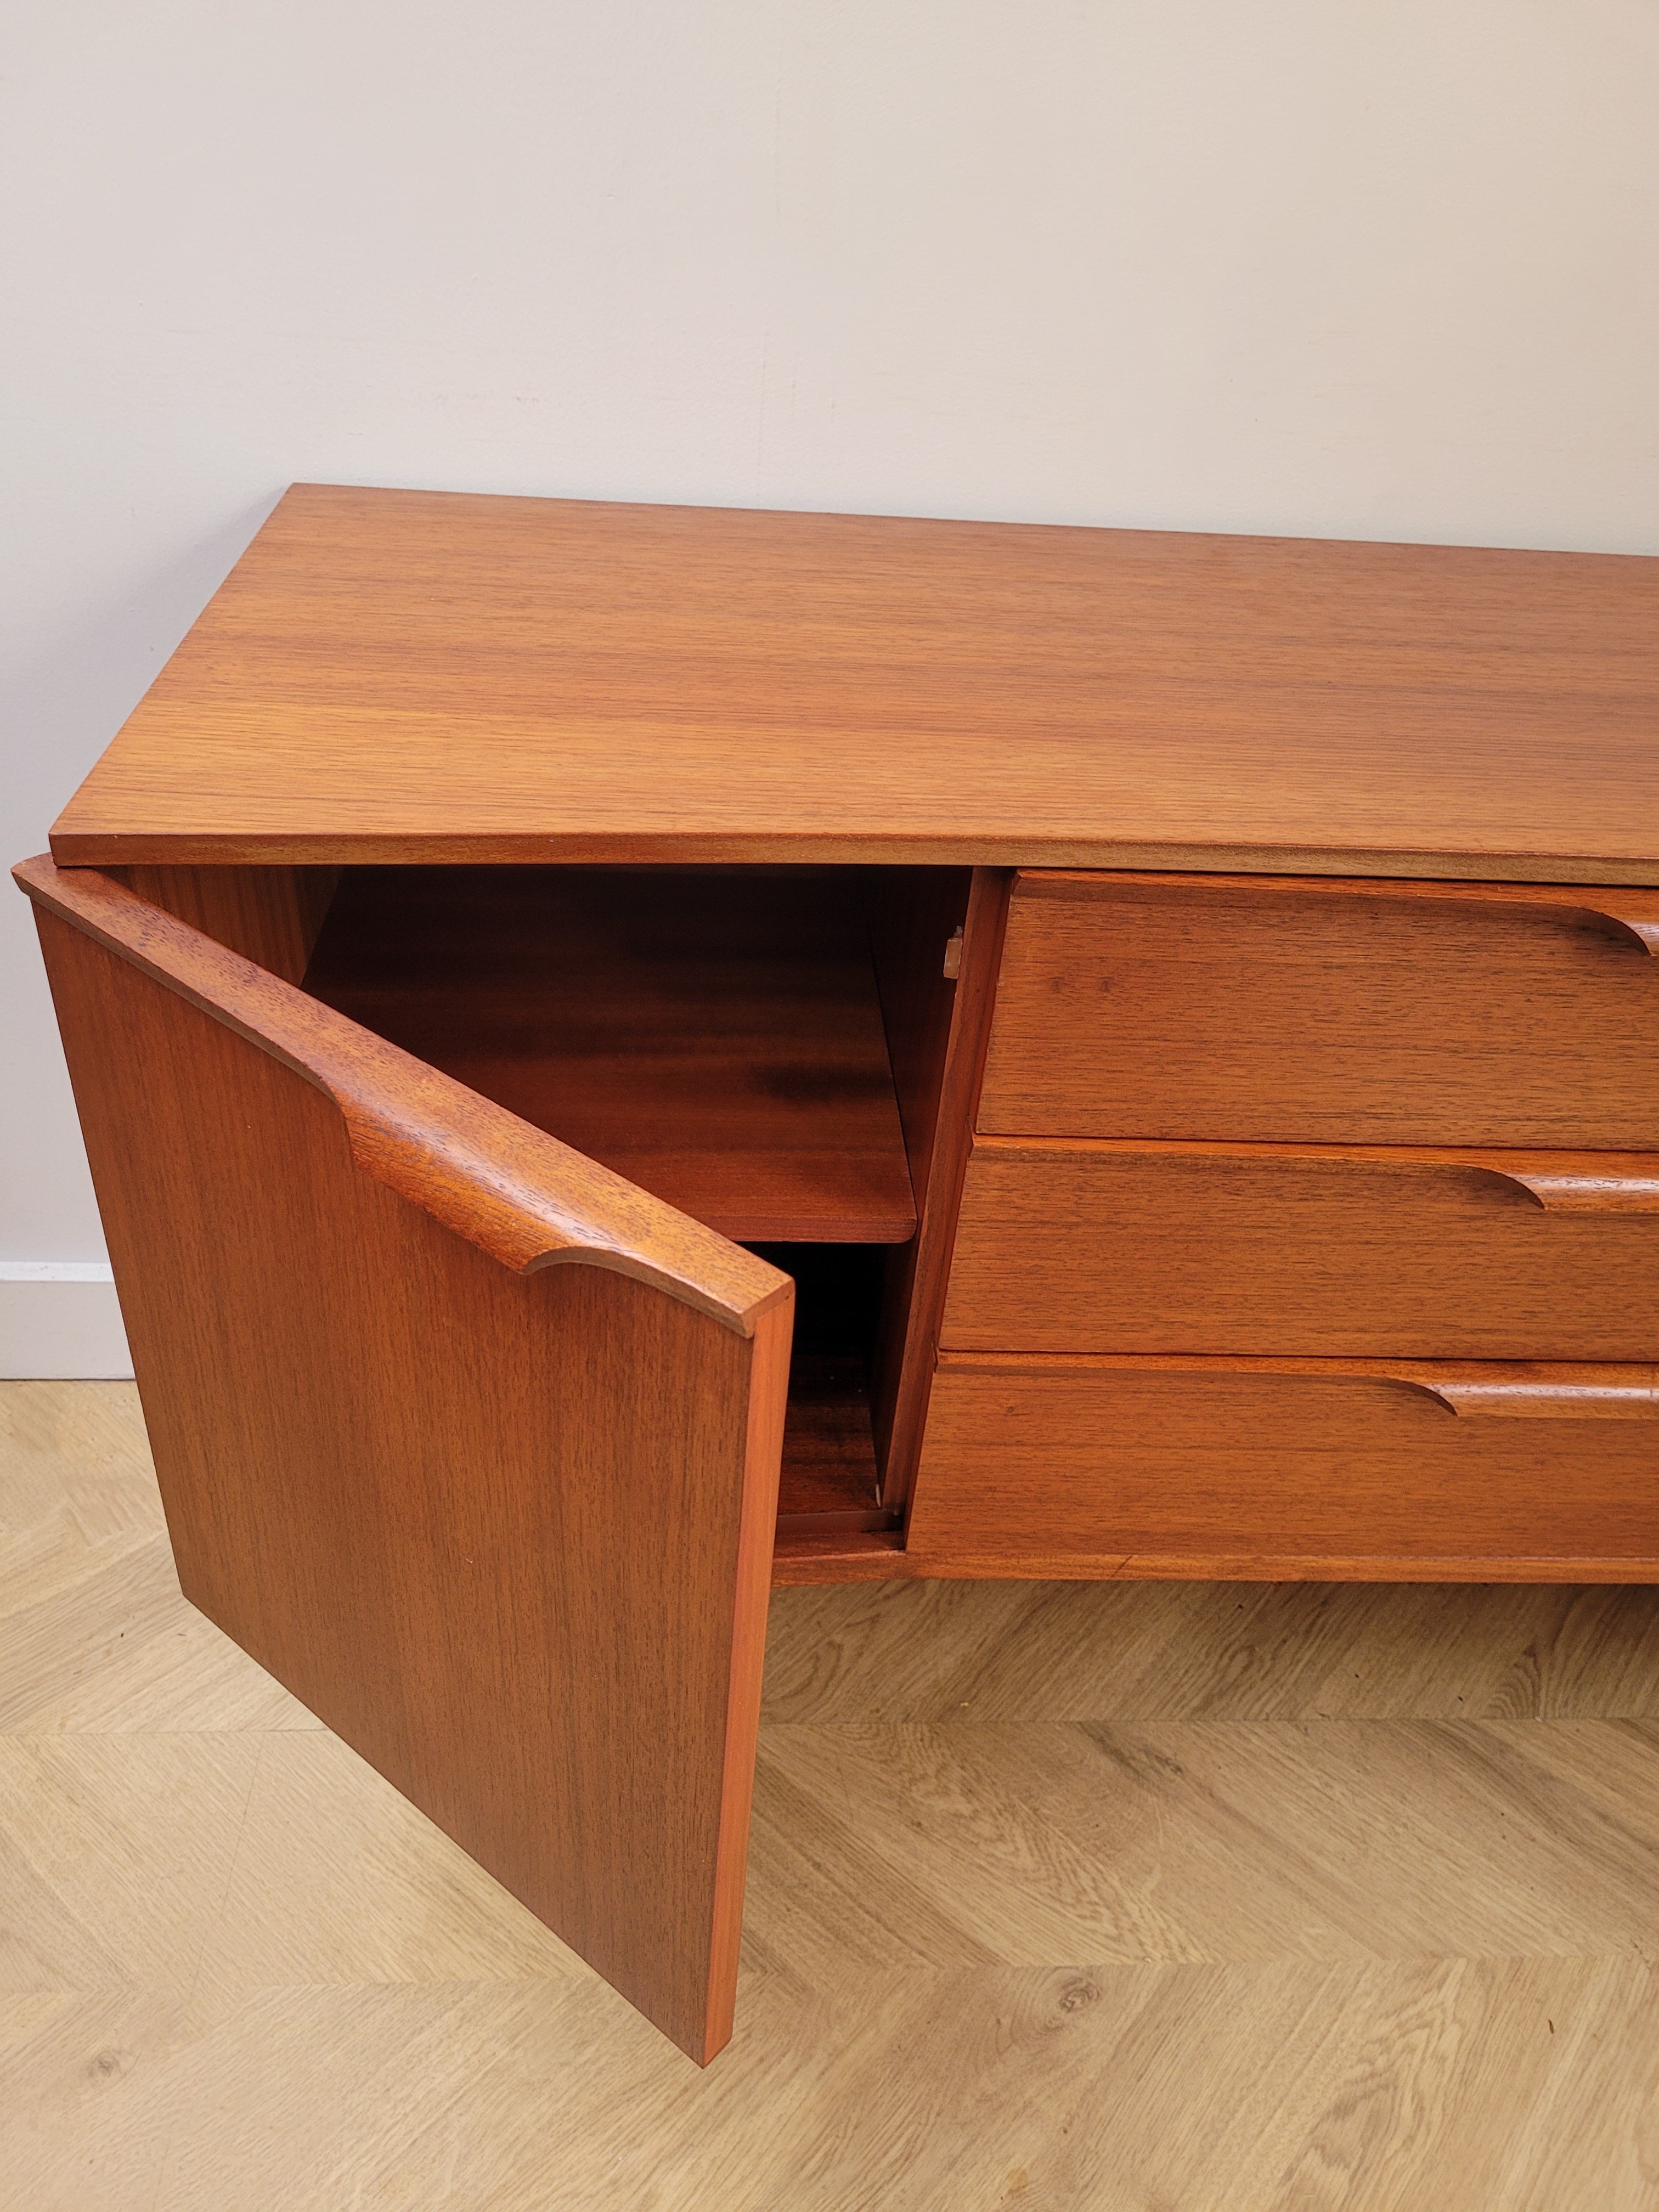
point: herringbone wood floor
(1157, 1897)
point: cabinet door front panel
(473, 1447)
(1078, 1245)
(1267, 1469)
(1280, 1011)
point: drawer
(1080, 1245)
(1295, 1010)
(1262, 1469)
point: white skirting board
(59, 1320)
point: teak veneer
(441, 1429)
(434, 678)
(1269, 1469)
(1306, 1012)
(632, 1054)
(1077, 1245)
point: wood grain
(1126, 1466)
(1144, 1654)
(713, 1035)
(1354, 1013)
(1085, 1245)
(803, 1555)
(522, 1196)
(408, 676)
(508, 1533)
(270, 916)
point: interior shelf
(713, 1034)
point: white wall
(1376, 270)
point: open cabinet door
(504, 1522)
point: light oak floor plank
(1148, 1898)
(1180, 1651)
(93, 1634)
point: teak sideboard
(632, 1053)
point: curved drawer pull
(1644, 934)
(1567, 1191)
(1544, 1401)
(1640, 932)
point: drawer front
(1301, 1012)
(1204, 1467)
(1083, 1246)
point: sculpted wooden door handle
(512, 1190)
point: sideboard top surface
(410, 675)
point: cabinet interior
(757, 1046)
(830, 1478)
(713, 1034)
